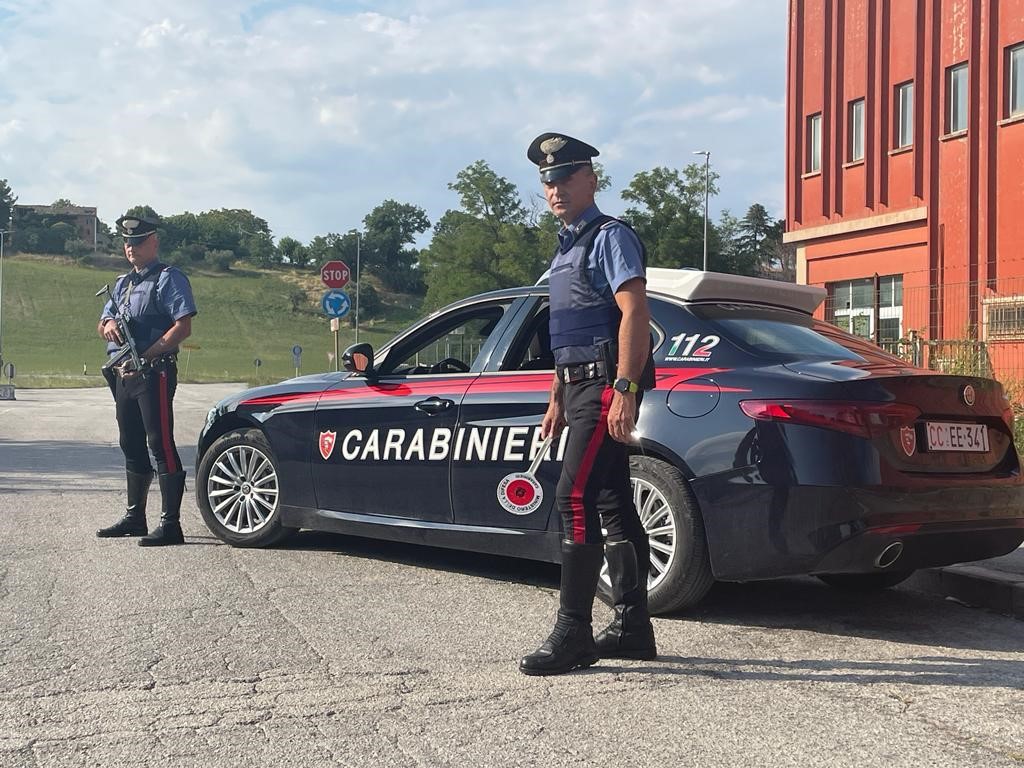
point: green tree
(293, 252)
(321, 249)
(754, 234)
(136, 210)
(488, 243)
(391, 230)
(7, 201)
(180, 231)
(668, 214)
(753, 244)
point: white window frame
(848, 318)
(905, 115)
(991, 306)
(814, 143)
(957, 87)
(856, 115)
(1015, 80)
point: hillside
(49, 317)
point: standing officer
(157, 301)
(600, 337)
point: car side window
(531, 351)
(452, 344)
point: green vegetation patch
(50, 313)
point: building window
(814, 143)
(856, 131)
(1016, 81)
(956, 98)
(904, 115)
(852, 304)
(1004, 317)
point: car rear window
(785, 335)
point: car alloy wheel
(242, 488)
(238, 490)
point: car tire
(237, 490)
(680, 571)
(865, 582)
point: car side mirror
(359, 359)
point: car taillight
(857, 418)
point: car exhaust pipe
(889, 555)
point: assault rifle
(128, 351)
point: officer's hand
(110, 332)
(622, 417)
(553, 422)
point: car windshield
(786, 335)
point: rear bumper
(914, 547)
(757, 531)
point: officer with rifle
(147, 315)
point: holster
(610, 350)
(110, 378)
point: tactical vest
(584, 323)
(148, 322)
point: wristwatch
(625, 385)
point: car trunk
(964, 425)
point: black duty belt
(570, 374)
(127, 369)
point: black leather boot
(172, 488)
(571, 643)
(134, 521)
(630, 635)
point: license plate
(947, 436)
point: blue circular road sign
(335, 303)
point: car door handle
(434, 405)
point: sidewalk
(996, 584)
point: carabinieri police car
(773, 444)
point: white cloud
(310, 115)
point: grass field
(50, 312)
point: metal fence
(974, 328)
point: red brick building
(905, 160)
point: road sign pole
(336, 334)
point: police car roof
(697, 285)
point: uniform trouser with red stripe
(594, 488)
(145, 418)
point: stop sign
(335, 274)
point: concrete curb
(975, 585)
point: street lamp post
(3, 235)
(707, 186)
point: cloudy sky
(311, 113)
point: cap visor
(554, 174)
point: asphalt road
(342, 652)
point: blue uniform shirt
(615, 257)
(135, 296)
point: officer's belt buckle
(570, 374)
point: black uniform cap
(558, 155)
(136, 226)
